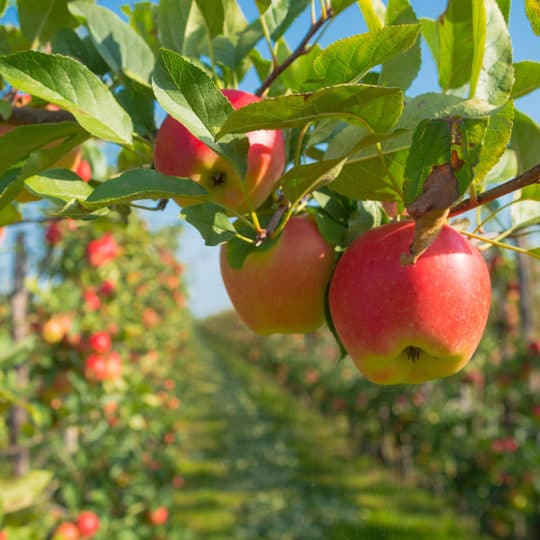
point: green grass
(259, 465)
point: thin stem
(267, 38)
(255, 219)
(491, 216)
(301, 49)
(245, 238)
(298, 150)
(532, 176)
(498, 244)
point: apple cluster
(399, 323)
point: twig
(301, 49)
(29, 115)
(532, 176)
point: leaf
(535, 252)
(41, 19)
(190, 96)
(143, 18)
(525, 213)
(374, 13)
(70, 85)
(211, 221)
(531, 192)
(341, 5)
(526, 78)
(20, 493)
(181, 26)
(402, 69)
(122, 48)
(375, 107)
(140, 184)
(9, 214)
(492, 69)
(532, 9)
(450, 39)
(12, 39)
(68, 43)
(348, 60)
(213, 15)
(302, 179)
(58, 184)
(525, 141)
(140, 107)
(366, 216)
(3, 6)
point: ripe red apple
(100, 342)
(88, 523)
(158, 516)
(281, 289)
(91, 299)
(3, 535)
(113, 366)
(54, 233)
(410, 324)
(107, 288)
(66, 531)
(101, 250)
(84, 170)
(178, 153)
(95, 368)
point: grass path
(258, 466)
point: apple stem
(499, 244)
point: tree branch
(532, 176)
(29, 115)
(301, 49)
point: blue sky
(206, 291)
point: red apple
(66, 531)
(95, 368)
(113, 366)
(158, 516)
(91, 299)
(107, 288)
(54, 233)
(100, 342)
(88, 523)
(3, 535)
(410, 324)
(281, 289)
(84, 170)
(101, 250)
(179, 153)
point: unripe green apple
(281, 289)
(410, 323)
(179, 153)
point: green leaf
(532, 9)
(140, 107)
(374, 13)
(371, 106)
(492, 73)
(526, 78)
(504, 6)
(211, 221)
(302, 179)
(525, 213)
(531, 192)
(181, 27)
(70, 85)
(12, 356)
(3, 6)
(341, 5)
(525, 141)
(402, 69)
(5, 109)
(143, 18)
(68, 43)
(366, 216)
(349, 59)
(124, 50)
(58, 184)
(20, 493)
(18, 143)
(535, 252)
(12, 39)
(41, 19)
(190, 96)
(450, 39)
(8, 215)
(140, 184)
(213, 15)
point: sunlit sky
(206, 291)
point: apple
(158, 516)
(281, 289)
(66, 531)
(55, 329)
(54, 233)
(88, 523)
(107, 288)
(410, 323)
(178, 153)
(113, 366)
(95, 368)
(84, 170)
(101, 250)
(3, 535)
(100, 342)
(91, 299)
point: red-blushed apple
(91, 299)
(410, 323)
(95, 368)
(178, 153)
(3, 535)
(107, 288)
(66, 531)
(113, 366)
(88, 523)
(56, 328)
(84, 170)
(54, 233)
(281, 289)
(102, 250)
(158, 516)
(100, 342)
